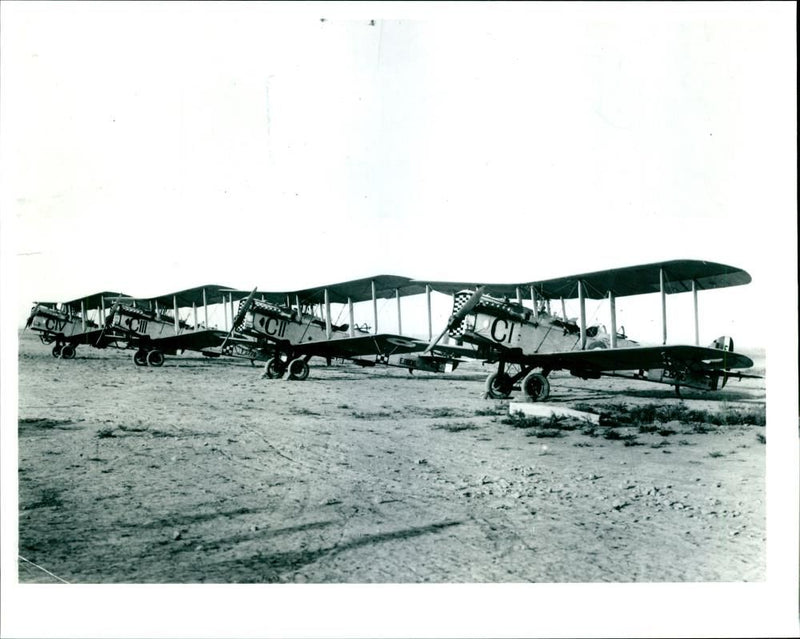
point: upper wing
(640, 357)
(630, 280)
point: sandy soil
(201, 471)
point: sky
(149, 147)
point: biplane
(154, 327)
(290, 321)
(528, 343)
(69, 324)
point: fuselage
(278, 324)
(513, 326)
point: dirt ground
(201, 471)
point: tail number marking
(506, 331)
(52, 324)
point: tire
(67, 351)
(274, 368)
(140, 358)
(298, 369)
(57, 350)
(498, 386)
(536, 387)
(155, 358)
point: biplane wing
(639, 358)
(154, 327)
(75, 322)
(532, 338)
(190, 341)
(676, 276)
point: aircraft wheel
(140, 358)
(298, 369)
(155, 358)
(57, 350)
(67, 351)
(274, 368)
(536, 387)
(498, 386)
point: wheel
(274, 368)
(155, 358)
(57, 350)
(140, 358)
(67, 351)
(298, 369)
(498, 386)
(536, 387)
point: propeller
(243, 308)
(457, 317)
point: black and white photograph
(399, 319)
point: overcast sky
(153, 147)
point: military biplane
(154, 327)
(529, 343)
(290, 321)
(70, 324)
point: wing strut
(535, 304)
(430, 322)
(696, 315)
(374, 308)
(327, 314)
(399, 316)
(205, 308)
(612, 307)
(582, 304)
(175, 319)
(663, 305)
(350, 313)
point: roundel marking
(397, 341)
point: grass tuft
(455, 427)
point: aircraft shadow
(725, 395)
(268, 567)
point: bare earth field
(201, 471)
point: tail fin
(723, 343)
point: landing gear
(274, 368)
(143, 357)
(536, 387)
(155, 358)
(67, 351)
(499, 386)
(57, 350)
(298, 369)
